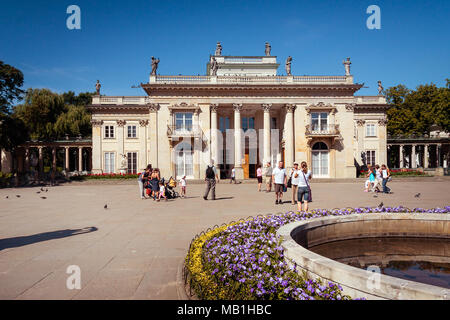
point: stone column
(237, 141)
(97, 155)
(425, 156)
(400, 153)
(413, 157)
(67, 160)
(153, 134)
(120, 141)
(27, 159)
(142, 164)
(437, 156)
(41, 163)
(266, 136)
(289, 139)
(80, 159)
(213, 145)
(53, 174)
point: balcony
(192, 131)
(331, 130)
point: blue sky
(117, 39)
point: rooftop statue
(154, 66)
(380, 88)
(288, 66)
(97, 87)
(218, 49)
(347, 64)
(268, 48)
(214, 66)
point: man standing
(279, 177)
(211, 178)
(267, 173)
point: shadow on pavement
(39, 237)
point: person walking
(162, 191)
(369, 184)
(304, 190)
(267, 173)
(210, 178)
(279, 178)
(183, 187)
(295, 177)
(386, 175)
(233, 176)
(142, 179)
(259, 177)
(379, 178)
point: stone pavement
(133, 249)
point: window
(132, 162)
(370, 157)
(110, 159)
(224, 124)
(273, 123)
(319, 157)
(183, 121)
(131, 132)
(248, 123)
(109, 132)
(370, 130)
(319, 121)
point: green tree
(76, 120)
(415, 111)
(11, 81)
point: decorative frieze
(97, 123)
(154, 107)
(290, 107)
(321, 106)
(350, 107)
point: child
(162, 191)
(233, 176)
(183, 187)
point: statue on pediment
(347, 64)
(268, 48)
(97, 87)
(214, 66)
(288, 65)
(218, 49)
(155, 63)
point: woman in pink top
(259, 177)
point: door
(320, 160)
(245, 166)
(184, 164)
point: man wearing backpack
(211, 177)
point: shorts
(268, 179)
(303, 194)
(279, 187)
(259, 179)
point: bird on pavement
(7, 197)
(17, 196)
(417, 195)
(106, 206)
(44, 198)
(381, 205)
(42, 189)
(38, 192)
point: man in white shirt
(279, 178)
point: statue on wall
(380, 88)
(154, 66)
(214, 66)
(347, 64)
(97, 87)
(268, 48)
(123, 164)
(288, 66)
(364, 161)
(218, 49)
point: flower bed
(244, 260)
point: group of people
(297, 179)
(378, 176)
(151, 185)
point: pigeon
(46, 190)
(7, 197)
(375, 196)
(38, 192)
(42, 189)
(17, 196)
(44, 198)
(106, 206)
(417, 195)
(381, 205)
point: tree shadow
(39, 237)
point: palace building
(242, 114)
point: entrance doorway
(184, 164)
(320, 160)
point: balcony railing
(184, 131)
(251, 79)
(322, 131)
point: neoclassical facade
(242, 114)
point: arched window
(320, 146)
(319, 156)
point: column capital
(237, 107)
(350, 107)
(214, 107)
(121, 123)
(143, 123)
(290, 107)
(266, 107)
(383, 122)
(154, 107)
(360, 122)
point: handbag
(289, 183)
(309, 188)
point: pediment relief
(321, 106)
(183, 106)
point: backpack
(210, 173)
